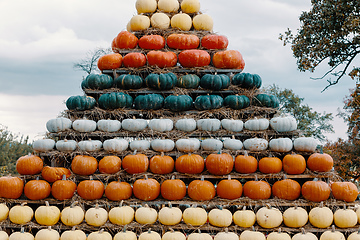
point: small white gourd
(161, 125)
(66, 145)
(188, 145)
(232, 125)
(90, 145)
(211, 145)
(186, 124)
(84, 125)
(305, 144)
(257, 124)
(116, 145)
(146, 215)
(283, 124)
(58, 125)
(281, 145)
(162, 145)
(43, 145)
(140, 145)
(160, 20)
(233, 144)
(255, 144)
(108, 125)
(134, 125)
(210, 125)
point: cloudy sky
(40, 40)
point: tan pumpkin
(295, 217)
(96, 216)
(100, 235)
(195, 216)
(47, 215)
(332, 235)
(125, 235)
(121, 215)
(173, 235)
(160, 20)
(4, 212)
(149, 235)
(3, 235)
(21, 214)
(146, 6)
(203, 22)
(190, 6)
(73, 234)
(279, 235)
(304, 236)
(168, 5)
(22, 235)
(146, 215)
(354, 236)
(252, 234)
(72, 215)
(181, 21)
(321, 217)
(170, 215)
(139, 22)
(199, 236)
(345, 218)
(47, 234)
(220, 217)
(244, 218)
(226, 235)
(269, 217)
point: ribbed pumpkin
(213, 41)
(121, 215)
(219, 164)
(152, 42)
(128, 81)
(146, 6)
(190, 6)
(315, 191)
(47, 215)
(228, 59)
(195, 216)
(201, 190)
(229, 189)
(37, 189)
(178, 103)
(162, 81)
(135, 163)
(161, 59)
(146, 189)
(321, 217)
(90, 189)
(269, 217)
(332, 234)
(72, 215)
(320, 162)
(295, 217)
(203, 22)
(188, 81)
(63, 189)
(117, 191)
(208, 102)
(345, 218)
(110, 164)
(29, 165)
(194, 58)
(264, 100)
(236, 102)
(247, 80)
(84, 165)
(190, 163)
(146, 215)
(96, 216)
(11, 187)
(161, 164)
(80, 103)
(181, 21)
(97, 81)
(115, 100)
(149, 102)
(287, 189)
(110, 61)
(244, 218)
(294, 164)
(160, 20)
(134, 60)
(173, 189)
(257, 190)
(73, 234)
(344, 191)
(126, 40)
(220, 217)
(170, 215)
(52, 174)
(47, 234)
(305, 236)
(270, 165)
(215, 81)
(183, 41)
(245, 164)
(139, 23)
(21, 214)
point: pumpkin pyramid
(173, 141)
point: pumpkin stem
(162, 154)
(91, 178)
(149, 231)
(244, 208)
(23, 204)
(296, 207)
(229, 177)
(285, 177)
(73, 204)
(96, 206)
(226, 230)
(49, 228)
(303, 231)
(52, 163)
(199, 231)
(173, 177)
(220, 207)
(279, 230)
(146, 205)
(63, 177)
(172, 230)
(170, 205)
(135, 151)
(22, 229)
(333, 228)
(268, 206)
(47, 204)
(256, 178)
(202, 178)
(73, 228)
(121, 203)
(124, 229)
(146, 177)
(321, 205)
(246, 154)
(101, 231)
(253, 229)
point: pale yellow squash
(21, 214)
(181, 21)
(203, 22)
(244, 218)
(190, 6)
(146, 6)
(96, 216)
(139, 23)
(160, 20)
(47, 215)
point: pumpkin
(134, 60)
(52, 174)
(110, 164)
(210, 125)
(278, 236)
(181, 21)
(63, 189)
(139, 145)
(304, 236)
(229, 189)
(80, 103)
(332, 234)
(84, 165)
(199, 236)
(190, 163)
(287, 189)
(161, 59)
(215, 81)
(281, 145)
(247, 80)
(220, 217)
(84, 125)
(47, 234)
(97, 81)
(149, 102)
(321, 217)
(90, 189)
(270, 165)
(320, 162)
(136, 163)
(37, 189)
(354, 236)
(60, 124)
(162, 145)
(244, 218)
(254, 235)
(201, 190)
(214, 145)
(195, 216)
(90, 145)
(47, 215)
(162, 81)
(161, 164)
(134, 125)
(139, 23)
(190, 6)
(161, 125)
(213, 41)
(315, 191)
(110, 61)
(152, 42)
(121, 215)
(4, 235)
(294, 164)
(11, 187)
(345, 218)
(233, 144)
(146, 189)
(208, 102)
(257, 190)
(219, 164)
(146, 6)
(43, 145)
(4, 212)
(149, 235)
(126, 40)
(228, 59)
(160, 20)
(203, 22)
(257, 124)
(183, 41)
(115, 145)
(245, 164)
(188, 145)
(146, 215)
(21, 214)
(269, 217)
(168, 5)
(256, 144)
(236, 102)
(73, 234)
(22, 235)
(305, 144)
(178, 103)
(72, 215)
(194, 58)
(170, 215)
(173, 189)
(128, 81)
(99, 235)
(344, 191)
(125, 235)
(96, 216)
(264, 100)
(173, 235)
(283, 124)
(117, 191)
(66, 145)
(115, 100)
(189, 81)
(232, 125)
(186, 124)
(295, 217)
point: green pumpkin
(208, 102)
(128, 81)
(97, 81)
(178, 103)
(247, 80)
(264, 100)
(80, 103)
(162, 81)
(115, 100)
(188, 81)
(149, 102)
(236, 102)
(215, 82)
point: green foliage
(330, 32)
(311, 122)
(11, 148)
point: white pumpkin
(108, 125)
(139, 23)
(160, 20)
(125, 235)
(281, 145)
(203, 22)
(283, 124)
(210, 125)
(22, 235)
(43, 145)
(354, 236)
(244, 218)
(134, 125)
(58, 125)
(190, 6)
(168, 6)
(220, 217)
(345, 218)
(100, 235)
(121, 215)
(66, 145)
(84, 125)
(304, 236)
(232, 125)
(96, 216)
(255, 144)
(321, 217)
(146, 6)
(73, 234)
(146, 215)
(295, 217)
(149, 235)
(170, 215)
(226, 235)
(211, 145)
(90, 145)
(195, 216)
(332, 235)
(256, 124)
(186, 124)
(252, 235)
(181, 21)
(278, 236)
(233, 144)
(199, 236)
(162, 145)
(269, 217)
(47, 215)
(305, 144)
(4, 235)
(72, 215)
(173, 235)
(188, 145)
(161, 125)
(4, 212)
(47, 234)
(140, 145)
(21, 214)
(116, 145)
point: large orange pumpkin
(52, 174)
(29, 165)
(315, 191)
(134, 60)
(257, 190)
(229, 189)
(219, 164)
(245, 164)
(125, 40)
(161, 59)
(110, 61)
(146, 189)
(11, 187)
(160, 164)
(173, 189)
(84, 165)
(135, 163)
(194, 58)
(190, 163)
(183, 41)
(152, 42)
(214, 42)
(37, 189)
(294, 164)
(63, 189)
(201, 190)
(344, 191)
(320, 162)
(117, 191)
(287, 189)
(90, 189)
(110, 164)
(229, 59)
(270, 165)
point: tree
(310, 122)
(11, 148)
(89, 63)
(330, 32)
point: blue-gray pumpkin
(128, 81)
(237, 102)
(97, 81)
(264, 100)
(208, 102)
(178, 103)
(247, 80)
(189, 81)
(115, 100)
(162, 81)
(149, 102)
(80, 103)
(215, 82)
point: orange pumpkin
(11, 187)
(161, 59)
(229, 189)
(110, 164)
(245, 164)
(320, 162)
(219, 164)
(125, 40)
(173, 189)
(201, 190)
(270, 165)
(183, 41)
(136, 163)
(214, 42)
(161, 164)
(29, 165)
(190, 163)
(315, 191)
(134, 60)
(194, 58)
(344, 191)
(257, 190)
(84, 165)
(114, 48)
(294, 164)
(90, 189)
(37, 189)
(52, 174)
(287, 189)
(117, 191)
(63, 189)
(152, 42)
(146, 189)
(229, 59)
(110, 61)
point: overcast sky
(40, 40)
